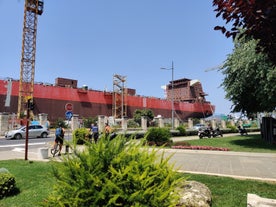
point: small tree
(138, 114)
(249, 79)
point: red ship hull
(90, 103)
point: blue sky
(90, 40)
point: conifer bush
(117, 172)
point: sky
(91, 40)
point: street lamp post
(172, 69)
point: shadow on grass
(253, 141)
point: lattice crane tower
(32, 8)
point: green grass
(35, 181)
(230, 192)
(249, 143)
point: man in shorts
(59, 137)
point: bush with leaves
(7, 183)
(158, 136)
(182, 130)
(117, 172)
(88, 121)
(80, 135)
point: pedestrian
(107, 129)
(59, 137)
(47, 124)
(94, 132)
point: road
(15, 149)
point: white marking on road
(17, 149)
(19, 145)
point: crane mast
(32, 8)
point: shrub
(61, 122)
(117, 172)
(158, 136)
(132, 124)
(182, 130)
(80, 135)
(7, 183)
(88, 121)
(232, 128)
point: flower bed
(201, 148)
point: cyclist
(59, 137)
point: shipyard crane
(32, 9)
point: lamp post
(172, 69)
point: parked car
(199, 126)
(34, 132)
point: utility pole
(172, 92)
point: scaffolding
(119, 98)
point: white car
(34, 131)
(199, 126)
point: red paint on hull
(52, 99)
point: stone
(194, 194)
(254, 200)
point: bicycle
(55, 149)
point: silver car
(199, 126)
(34, 131)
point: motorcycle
(242, 131)
(217, 132)
(204, 132)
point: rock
(194, 194)
(254, 200)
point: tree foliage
(257, 17)
(145, 112)
(249, 78)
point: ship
(184, 97)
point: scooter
(217, 132)
(204, 133)
(242, 131)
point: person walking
(107, 129)
(95, 132)
(59, 137)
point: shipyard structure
(184, 97)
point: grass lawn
(230, 192)
(249, 143)
(35, 181)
